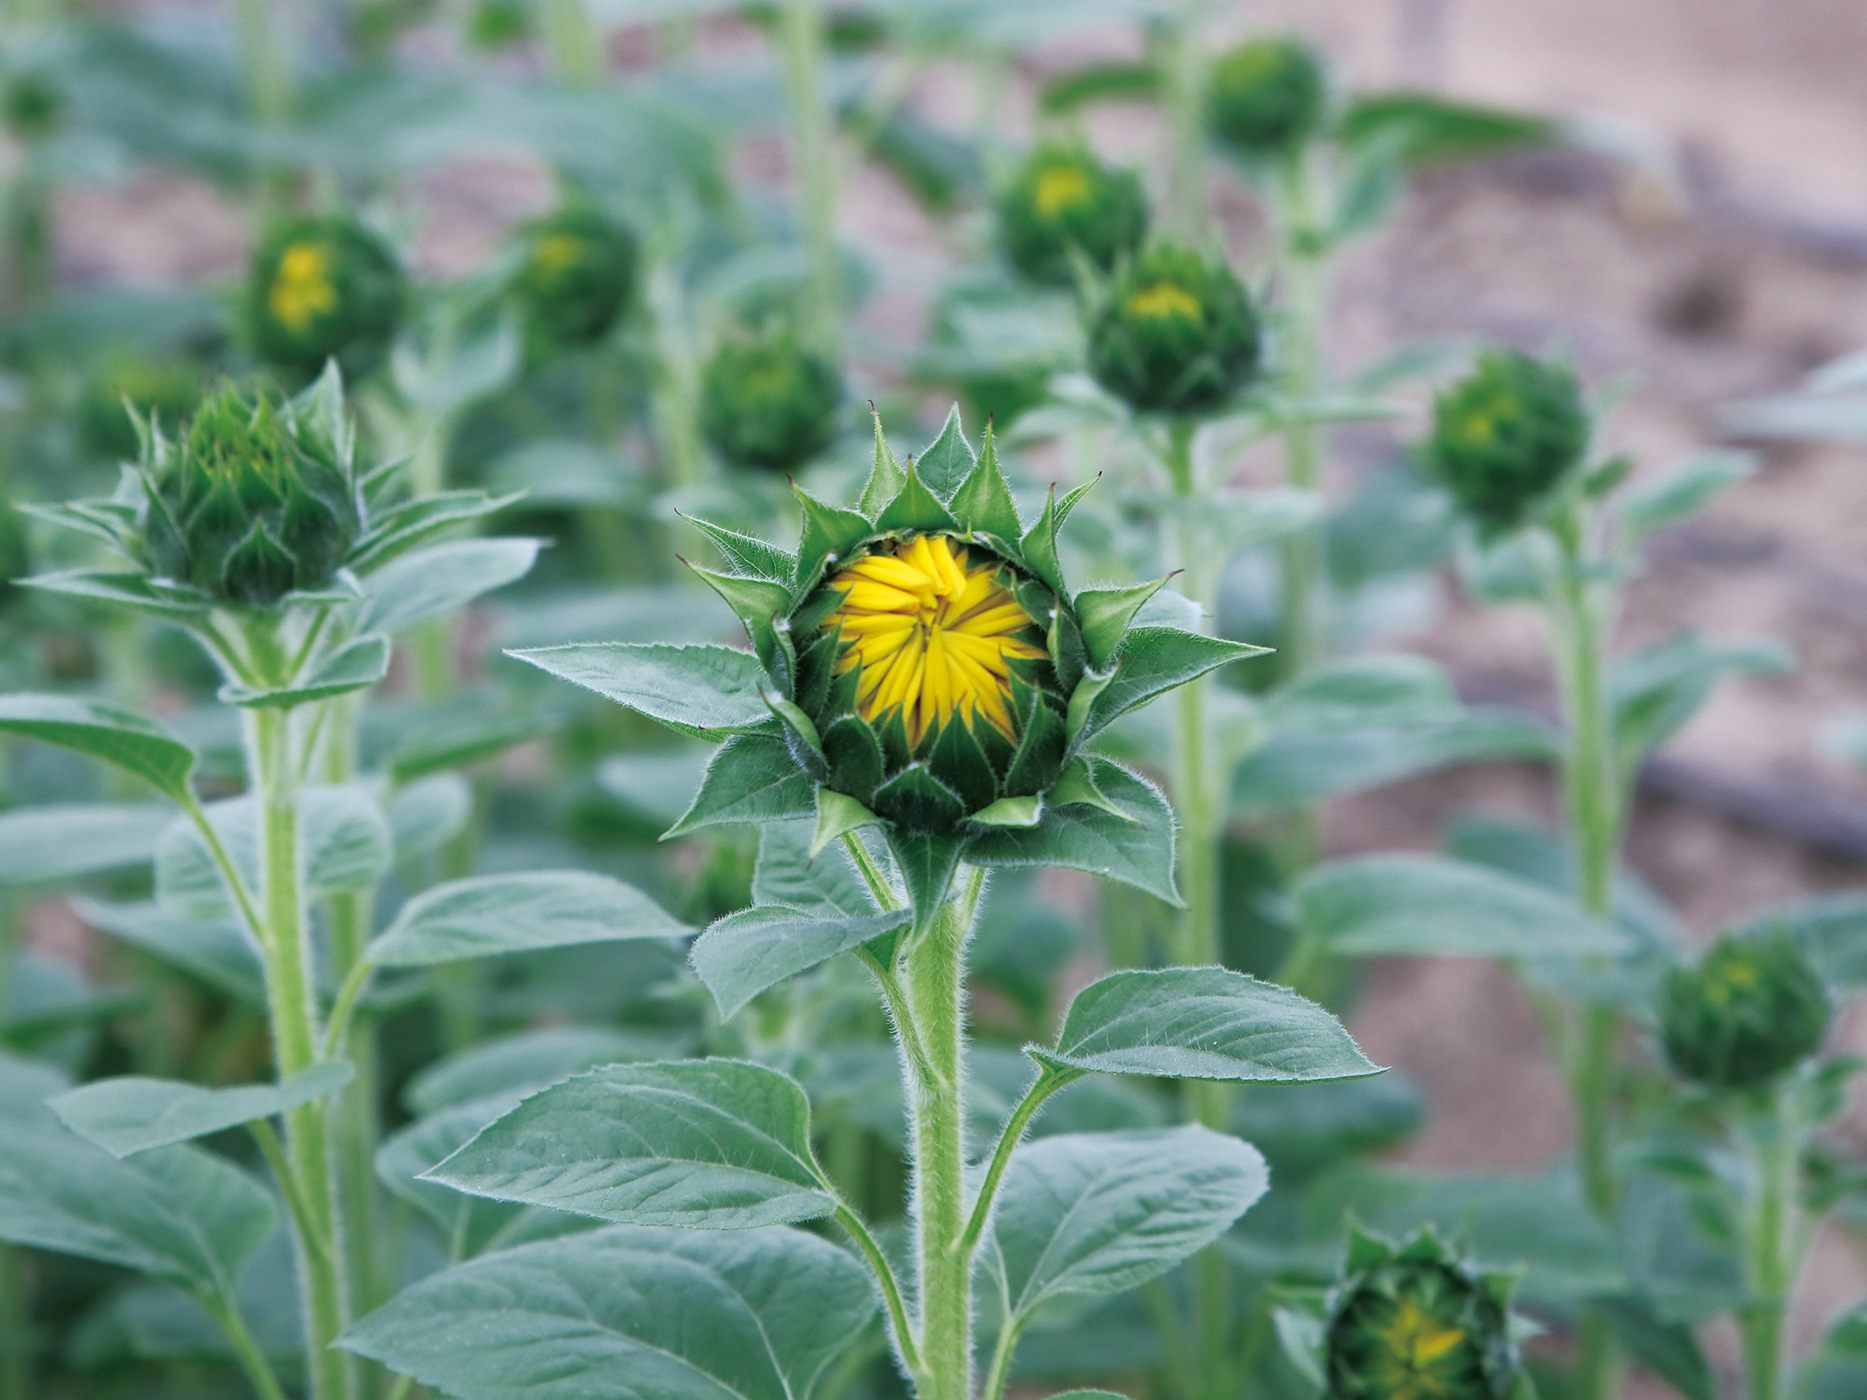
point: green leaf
(1656, 691)
(786, 872)
(137, 591)
(216, 951)
(699, 690)
(426, 815)
(926, 864)
(1133, 843)
(1668, 1349)
(886, 478)
(407, 525)
(138, 746)
(176, 1213)
(1423, 130)
(1011, 812)
(748, 555)
(446, 741)
(53, 843)
(838, 814)
(1419, 905)
(914, 507)
(492, 914)
(660, 1314)
(519, 1064)
(752, 778)
(707, 1144)
(760, 606)
(133, 1113)
(1105, 613)
(983, 501)
(949, 460)
(830, 532)
(743, 954)
(357, 665)
(1203, 1023)
(1154, 660)
(1039, 545)
(470, 1223)
(342, 836)
(442, 579)
(1097, 1213)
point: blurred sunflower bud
(1748, 1011)
(250, 504)
(1266, 97)
(769, 403)
(577, 276)
(323, 289)
(165, 391)
(29, 105)
(1176, 333)
(1415, 1322)
(1062, 198)
(1506, 435)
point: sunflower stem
(801, 36)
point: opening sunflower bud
(1176, 333)
(1749, 1011)
(1416, 1323)
(1062, 200)
(770, 403)
(1266, 97)
(323, 289)
(1506, 435)
(577, 276)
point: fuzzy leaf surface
(1135, 847)
(751, 778)
(442, 579)
(134, 1113)
(746, 953)
(491, 914)
(128, 741)
(1154, 660)
(699, 690)
(44, 845)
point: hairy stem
(1183, 84)
(801, 34)
(226, 1312)
(1773, 1151)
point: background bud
(769, 402)
(1506, 434)
(1176, 334)
(1749, 1010)
(324, 289)
(1061, 198)
(578, 275)
(248, 505)
(1266, 97)
(166, 390)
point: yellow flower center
(1059, 190)
(1415, 1340)
(556, 253)
(1163, 301)
(933, 633)
(301, 288)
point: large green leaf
(1152, 661)
(1133, 844)
(786, 873)
(470, 1223)
(43, 845)
(706, 691)
(134, 1113)
(1104, 1212)
(518, 1064)
(752, 778)
(1411, 904)
(745, 953)
(441, 579)
(343, 838)
(219, 952)
(630, 1312)
(355, 666)
(177, 1213)
(491, 914)
(130, 742)
(1203, 1023)
(709, 1144)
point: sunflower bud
(166, 391)
(1176, 334)
(1266, 97)
(1062, 199)
(769, 403)
(1416, 1323)
(1506, 435)
(578, 275)
(1748, 1011)
(249, 505)
(324, 289)
(29, 106)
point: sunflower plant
(922, 688)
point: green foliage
(1061, 203)
(1174, 333)
(133, 1114)
(1749, 1011)
(1267, 96)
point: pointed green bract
(886, 478)
(1104, 615)
(750, 778)
(915, 507)
(836, 815)
(760, 605)
(830, 532)
(1154, 660)
(1130, 839)
(948, 461)
(747, 555)
(1039, 545)
(983, 502)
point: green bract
(577, 276)
(1175, 333)
(996, 773)
(1063, 199)
(1506, 435)
(1750, 1009)
(1267, 96)
(769, 403)
(324, 289)
(1414, 1322)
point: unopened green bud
(1266, 97)
(1176, 333)
(577, 277)
(1063, 199)
(1750, 1009)
(1506, 435)
(769, 403)
(165, 391)
(29, 105)
(324, 289)
(249, 504)
(1417, 1323)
